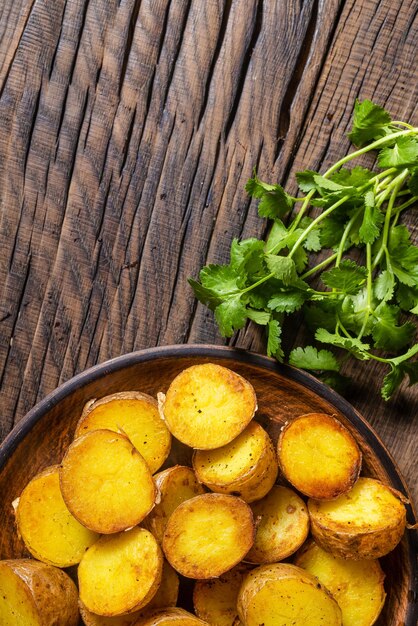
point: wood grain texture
(128, 131)
(282, 393)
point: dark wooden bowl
(41, 438)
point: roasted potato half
(175, 485)
(282, 526)
(165, 596)
(170, 617)
(106, 483)
(245, 467)
(319, 456)
(120, 573)
(36, 594)
(357, 586)
(207, 406)
(366, 523)
(50, 532)
(282, 595)
(209, 534)
(216, 600)
(136, 415)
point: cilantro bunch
(359, 308)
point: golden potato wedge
(136, 415)
(319, 456)
(105, 482)
(366, 523)
(357, 586)
(207, 406)
(216, 600)
(285, 595)
(166, 596)
(282, 526)
(36, 594)
(170, 617)
(175, 485)
(120, 573)
(50, 532)
(245, 467)
(209, 534)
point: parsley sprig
(359, 308)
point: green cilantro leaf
(370, 122)
(306, 180)
(407, 297)
(274, 345)
(386, 334)
(282, 267)
(384, 285)
(403, 153)
(287, 301)
(259, 317)
(373, 220)
(321, 314)
(391, 382)
(230, 316)
(331, 232)
(221, 279)
(310, 358)
(274, 201)
(352, 344)
(355, 177)
(206, 296)
(247, 255)
(413, 182)
(348, 277)
(312, 241)
(277, 234)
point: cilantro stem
(395, 360)
(302, 211)
(345, 235)
(385, 236)
(369, 147)
(320, 266)
(315, 222)
(402, 207)
(369, 290)
(399, 123)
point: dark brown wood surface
(128, 129)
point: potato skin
(321, 443)
(49, 591)
(253, 478)
(281, 594)
(349, 534)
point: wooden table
(128, 131)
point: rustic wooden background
(128, 130)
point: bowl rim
(24, 426)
